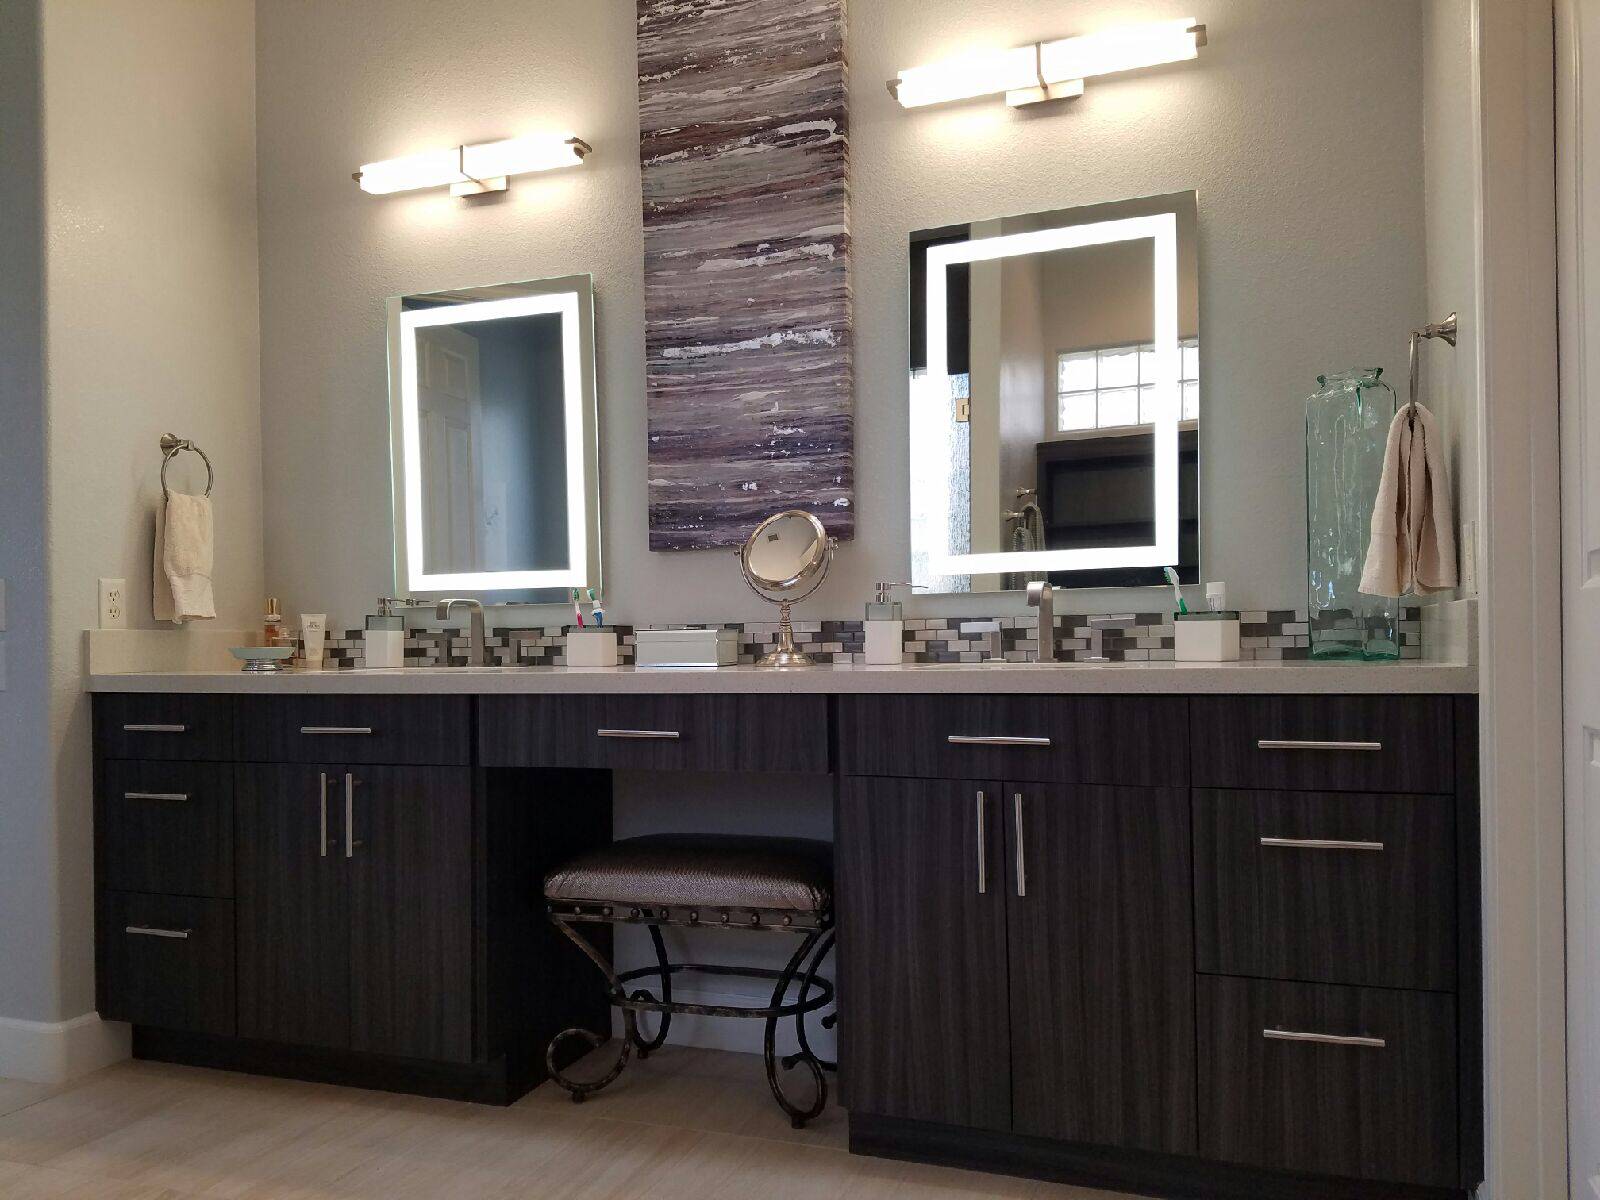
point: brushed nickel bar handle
(155, 729)
(1323, 1039)
(178, 796)
(341, 730)
(1290, 744)
(961, 739)
(1319, 844)
(152, 931)
(983, 851)
(1022, 858)
(667, 735)
(349, 815)
(322, 778)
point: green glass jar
(1347, 428)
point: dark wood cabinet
(1333, 887)
(172, 826)
(1101, 965)
(922, 890)
(355, 908)
(354, 729)
(410, 896)
(293, 905)
(167, 961)
(1353, 1082)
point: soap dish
(262, 660)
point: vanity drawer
(167, 961)
(1135, 740)
(129, 725)
(680, 732)
(167, 827)
(1358, 1082)
(396, 730)
(1339, 887)
(1324, 743)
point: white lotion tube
(313, 638)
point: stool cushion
(702, 870)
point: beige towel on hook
(1413, 545)
(182, 568)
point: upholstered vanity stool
(753, 884)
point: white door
(1578, 153)
(449, 421)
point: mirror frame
(930, 474)
(571, 297)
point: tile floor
(687, 1125)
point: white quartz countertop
(1295, 676)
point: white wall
(149, 258)
(1311, 246)
(30, 980)
(1448, 383)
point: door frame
(1520, 608)
(1578, 29)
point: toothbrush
(599, 613)
(577, 611)
(1177, 594)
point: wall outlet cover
(113, 604)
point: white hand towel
(182, 568)
(1413, 543)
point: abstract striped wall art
(743, 145)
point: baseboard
(59, 1051)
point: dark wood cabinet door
(293, 905)
(922, 940)
(1098, 886)
(410, 880)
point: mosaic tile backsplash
(1269, 634)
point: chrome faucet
(1042, 596)
(477, 652)
(1097, 634)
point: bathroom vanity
(1173, 928)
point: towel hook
(171, 444)
(1445, 330)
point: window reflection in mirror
(1070, 354)
(493, 415)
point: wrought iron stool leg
(580, 1091)
(646, 1048)
(807, 982)
(797, 1116)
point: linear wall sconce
(472, 170)
(1049, 70)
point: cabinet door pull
(983, 851)
(668, 735)
(349, 815)
(177, 796)
(1022, 858)
(323, 785)
(1319, 844)
(152, 931)
(1290, 744)
(155, 729)
(337, 730)
(1323, 1039)
(963, 739)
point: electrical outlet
(113, 604)
(1469, 558)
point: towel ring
(171, 444)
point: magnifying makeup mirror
(784, 560)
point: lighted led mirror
(493, 425)
(1055, 398)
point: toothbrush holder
(592, 648)
(1205, 637)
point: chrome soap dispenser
(886, 627)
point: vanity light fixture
(472, 170)
(1049, 70)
